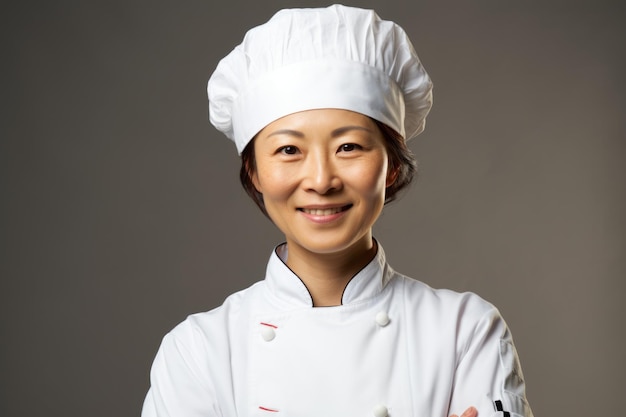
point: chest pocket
(329, 362)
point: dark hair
(401, 160)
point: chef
(320, 104)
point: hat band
(318, 84)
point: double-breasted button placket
(297, 346)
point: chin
(327, 246)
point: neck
(326, 275)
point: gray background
(122, 212)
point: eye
(288, 150)
(349, 147)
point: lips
(324, 211)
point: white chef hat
(335, 57)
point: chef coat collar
(288, 289)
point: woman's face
(323, 175)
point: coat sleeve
(179, 387)
(488, 375)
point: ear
(254, 177)
(248, 166)
(392, 175)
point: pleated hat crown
(335, 57)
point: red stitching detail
(268, 409)
(269, 325)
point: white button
(380, 411)
(268, 333)
(382, 319)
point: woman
(319, 103)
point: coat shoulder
(216, 322)
(444, 302)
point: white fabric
(439, 353)
(335, 57)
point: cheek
(372, 178)
(271, 182)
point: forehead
(319, 121)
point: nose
(321, 174)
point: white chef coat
(395, 347)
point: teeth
(322, 212)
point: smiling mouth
(326, 211)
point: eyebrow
(289, 132)
(340, 131)
(337, 132)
